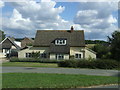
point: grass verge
(29, 64)
(39, 80)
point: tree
(102, 50)
(114, 41)
(35, 54)
(2, 35)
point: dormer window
(60, 42)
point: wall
(79, 50)
(89, 54)
(85, 53)
(22, 53)
(53, 56)
(66, 56)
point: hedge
(100, 64)
(33, 60)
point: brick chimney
(72, 28)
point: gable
(7, 44)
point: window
(43, 55)
(77, 56)
(28, 55)
(59, 56)
(60, 42)
(6, 51)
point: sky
(23, 19)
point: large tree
(114, 41)
(2, 35)
(102, 50)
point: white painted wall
(85, 52)
(75, 50)
(22, 53)
(66, 56)
(90, 54)
(53, 56)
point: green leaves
(115, 45)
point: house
(26, 42)
(9, 47)
(59, 44)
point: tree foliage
(2, 35)
(95, 42)
(102, 50)
(35, 54)
(114, 41)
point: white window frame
(79, 56)
(60, 56)
(60, 42)
(27, 55)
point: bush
(106, 64)
(33, 60)
(68, 63)
(100, 64)
(86, 64)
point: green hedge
(100, 64)
(33, 60)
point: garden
(82, 63)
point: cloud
(31, 16)
(1, 3)
(97, 18)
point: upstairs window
(60, 42)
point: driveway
(60, 71)
(2, 60)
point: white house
(59, 44)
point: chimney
(72, 28)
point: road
(98, 72)
(107, 86)
(100, 87)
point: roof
(26, 41)
(7, 43)
(59, 49)
(45, 37)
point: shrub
(68, 63)
(86, 64)
(106, 64)
(33, 60)
(100, 64)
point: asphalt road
(101, 87)
(107, 86)
(98, 72)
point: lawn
(39, 80)
(29, 64)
